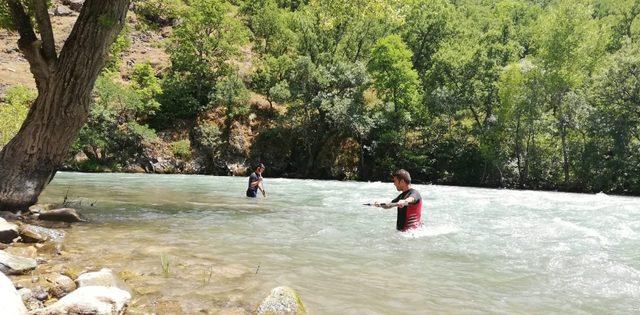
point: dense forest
(531, 94)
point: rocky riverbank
(35, 277)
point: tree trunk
(30, 160)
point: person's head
(259, 168)
(401, 179)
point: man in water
(409, 202)
(255, 182)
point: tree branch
(29, 44)
(46, 33)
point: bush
(207, 137)
(181, 148)
(159, 12)
(121, 44)
(114, 132)
(13, 111)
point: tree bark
(30, 160)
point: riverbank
(485, 250)
(47, 277)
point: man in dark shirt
(255, 182)
(409, 202)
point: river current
(190, 243)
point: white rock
(94, 300)
(8, 231)
(282, 300)
(11, 264)
(10, 299)
(105, 277)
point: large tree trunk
(30, 160)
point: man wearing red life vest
(409, 202)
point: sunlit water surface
(481, 251)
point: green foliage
(535, 94)
(115, 132)
(159, 12)
(200, 48)
(5, 17)
(121, 44)
(393, 74)
(269, 25)
(208, 137)
(231, 93)
(181, 148)
(13, 111)
(147, 85)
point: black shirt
(409, 216)
(253, 191)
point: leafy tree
(64, 81)
(569, 45)
(13, 111)
(113, 135)
(610, 161)
(200, 49)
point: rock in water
(89, 300)
(41, 207)
(15, 265)
(105, 277)
(282, 300)
(62, 214)
(29, 299)
(37, 234)
(10, 299)
(9, 216)
(62, 285)
(8, 231)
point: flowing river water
(481, 250)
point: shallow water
(481, 251)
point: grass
(164, 260)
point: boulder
(8, 231)
(50, 248)
(282, 300)
(40, 293)
(10, 299)
(29, 299)
(63, 214)
(89, 300)
(41, 207)
(9, 216)
(62, 11)
(37, 234)
(15, 265)
(62, 285)
(105, 277)
(18, 249)
(75, 5)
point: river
(481, 250)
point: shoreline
(414, 182)
(57, 281)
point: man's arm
(264, 192)
(411, 199)
(384, 205)
(255, 181)
(407, 201)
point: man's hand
(402, 203)
(376, 204)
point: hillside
(515, 93)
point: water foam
(431, 231)
(589, 232)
